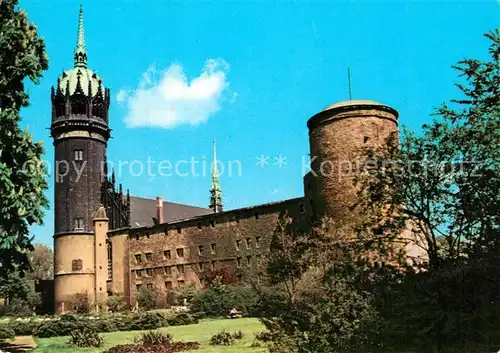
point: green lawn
(200, 332)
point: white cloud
(166, 98)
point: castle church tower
(80, 131)
(215, 190)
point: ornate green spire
(80, 51)
(215, 190)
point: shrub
(182, 319)
(184, 294)
(222, 338)
(81, 303)
(23, 327)
(219, 299)
(86, 337)
(147, 321)
(116, 303)
(61, 327)
(137, 348)
(264, 336)
(147, 298)
(6, 332)
(106, 325)
(238, 335)
(154, 338)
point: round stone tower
(80, 131)
(337, 137)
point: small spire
(215, 190)
(80, 51)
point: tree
(317, 302)
(444, 183)
(41, 260)
(147, 298)
(22, 179)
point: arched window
(79, 223)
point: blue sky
(250, 75)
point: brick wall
(178, 253)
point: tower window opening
(149, 272)
(138, 287)
(149, 256)
(79, 106)
(212, 264)
(79, 223)
(76, 265)
(257, 242)
(138, 258)
(301, 207)
(200, 266)
(249, 260)
(213, 248)
(249, 243)
(200, 250)
(238, 261)
(180, 252)
(110, 261)
(365, 139)
(167, 255)
(78, 155)
(138, 273)
(149, 286)
(238, 244)
(168, 270)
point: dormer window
(78, 155)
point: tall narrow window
(79, 223)
(110, 261)
(149, 272)
(78, 155)
(257, 242)
(166, 255)
(238, 244)
(200, 250)
(213, 247)
(138, 258)
(149, 256)
(249, 243)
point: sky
(248, 74)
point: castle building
(108, 242)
